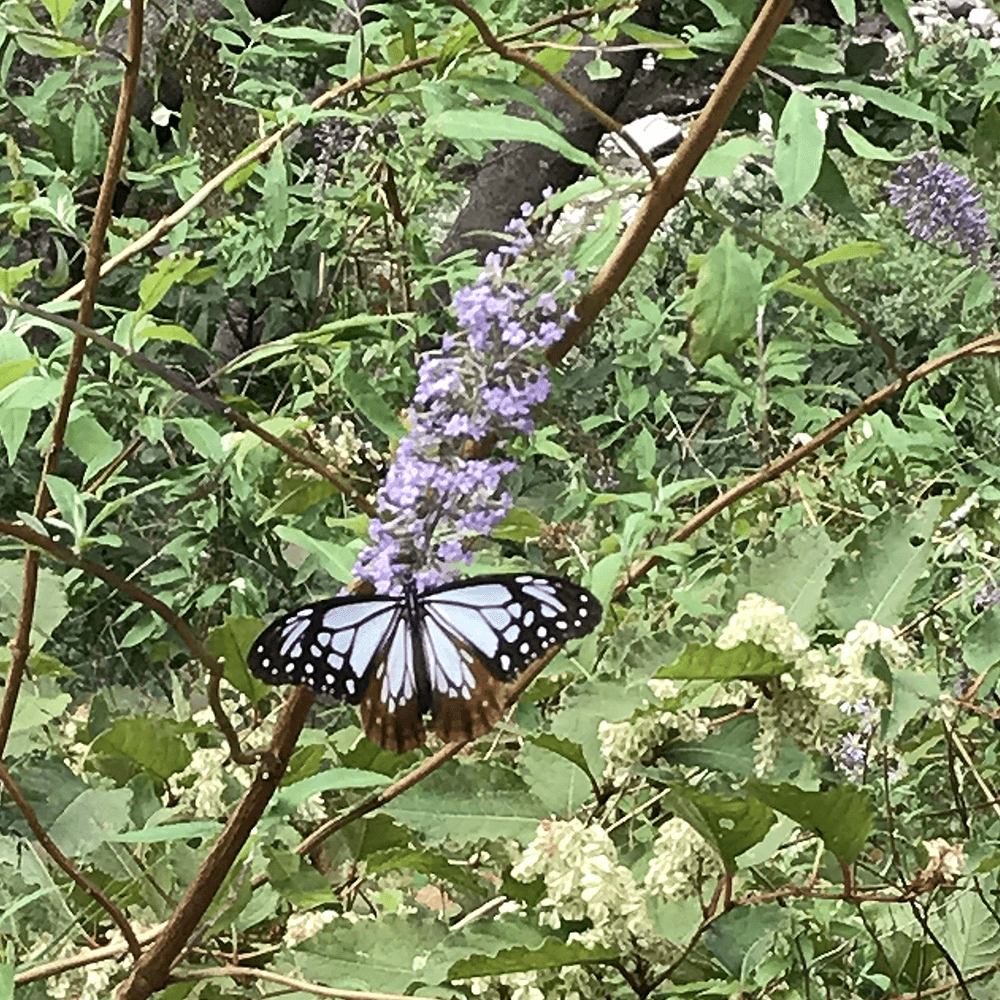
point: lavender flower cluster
(943, 205)
(483, 383)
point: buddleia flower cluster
(943, 206)
(481, 385)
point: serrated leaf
(552, 954)
(843, 817)
(722, 307)
(884, 561)
(469, 802)
(559, 784)
(488, 125)
(707, 662)
(798, 150)
(425, 863)
(731, 825)
(92, 818)
(152, 744)
(793, 573)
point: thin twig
(668, 187)
(638, 569)
(139, 360)
(299, 985)
(65, 864)
(20, 645)
(553, 80)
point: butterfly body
(447, 650)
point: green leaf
(981, 641)
(792, 573)
(747, 661)
(888, 101)
(846, 9)
(151, 743)
(333, 779)
(722, 160)
(552, 954)
(58, 10)
(168, 271)
(666, 46)
(11, 277)
(425, 863)
(335, 558)
(376, 956)
(50, 606)
(11, 371)
(88, 439)
(913, 693)
(202, 436)
(370, 402)
(91, 819)
(463, 124)
(832, 190)
(558, 774)
(798, 151)
(195, 830)
(843, 817)
(865, 149)
(275, 197)
(230, 642)
(469, 802)
(899, 13)
(722, 307)
(170, 332)
(731, 825)
(884, 562)
(87, 141)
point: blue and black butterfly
(446, 650)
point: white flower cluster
(583, 881)
(301, 926)
(683, 861)
(806, 704)
(624, 743)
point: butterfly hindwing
(331, 646)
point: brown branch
(20, 644)
(553, 80)
(638, 569)
(82, 958)
(151, 971)
(237, 419)
(668, 188)
(297, 985)
(65, 864)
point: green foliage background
(300, 295)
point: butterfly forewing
(511, 620)
(331, 646)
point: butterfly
(447, 650)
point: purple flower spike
(484, 382)
(942, 206)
